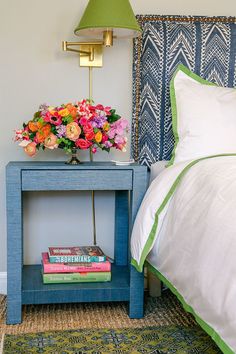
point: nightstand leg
(14, 310)
(136, 278)
(121, 228)
(136, 293)
(14, 247)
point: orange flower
(73, 131)
(30, 149)
(72, 109)
(34, 126)
(106, 127)
(98, 137)
(43, 133)
(52, 111)
(64, 112)
(39, 125)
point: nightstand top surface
(61, 165)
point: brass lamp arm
(90, 50)
(78, 51)
(65, 44)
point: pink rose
(107, 110)
(88, 128)
(90, 135)
(83, 121)
(104, 138)
(83, 144)
(99, 107)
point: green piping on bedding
(208, 329)
(197, 78)
(151, 237)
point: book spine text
(76, 277)
(76, 259)
(64, 268)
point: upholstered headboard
(206, 45)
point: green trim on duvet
(151, 237)
(208, 329)
(174, 111)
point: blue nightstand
(24, 283)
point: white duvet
(186, 229)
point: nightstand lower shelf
(35, 292)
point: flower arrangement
(81, 125)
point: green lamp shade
(102, 15)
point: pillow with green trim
(203, 117)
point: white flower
(24, 143)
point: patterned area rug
(76, 328)
(162, 340)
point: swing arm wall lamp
(103, 20)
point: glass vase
(73, 159)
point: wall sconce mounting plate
(90, 53)
(96, 50)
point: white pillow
(156, 168)
(203, 117)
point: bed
(185, 231)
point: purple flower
(43, 108)
(98, 121)
(119, 139)
(108, 144)
(61, 130)
(118, 128)
(112, 132)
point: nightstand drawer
(38, 180)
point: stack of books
(75, 265)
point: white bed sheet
(194, 244)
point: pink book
(74, 267)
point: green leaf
(67, 119)
(53, 129)
(40, 120)
(36, 115)
(113, 117)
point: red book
(74, 267)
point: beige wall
(34, 70)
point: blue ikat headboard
(206, 45)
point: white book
(123, 163)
